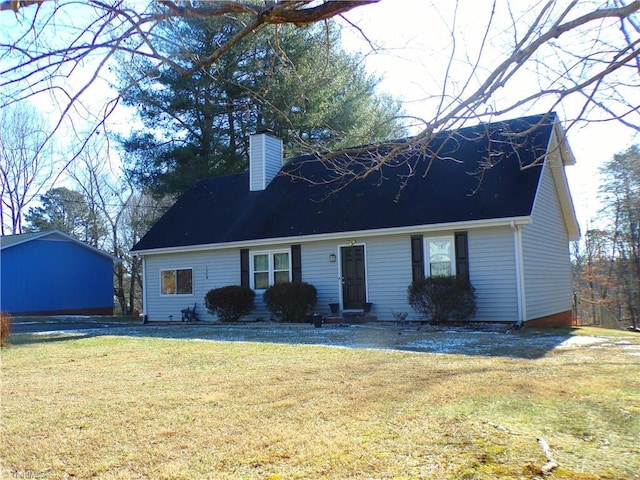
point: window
(269, 268)
(440, 257)
(176, 282)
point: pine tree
(68, 211)
(298, 83)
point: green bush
(442, 298)
(290, 302)
(231, 302)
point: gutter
(340, 236)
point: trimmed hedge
(442, 298)
(231, 302)
(291, 302)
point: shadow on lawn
(473, 339)
(19, 339)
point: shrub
(290, 302)
(442, 298)
(5, 326)
(230, 303)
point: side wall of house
(492, 272)
(388, 271)
(546, 261)
(51, 276)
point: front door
(354, 286)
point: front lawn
(115, 407)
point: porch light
(332, 258)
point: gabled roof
(8, 241)
(437, 185)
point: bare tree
(141, 212)
(595, 282)
(120, 215)
(25, 167)
(580, 55)
(107, 197)
(621, 192)
(607, 261)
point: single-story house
(52, 273)
(490, 202)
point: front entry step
(358, 317)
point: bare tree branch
(16, 5)
(588, 51)
(593, 73)
(24, 170)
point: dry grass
(117, 407)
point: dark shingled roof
(300, 201)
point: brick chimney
(265, 159)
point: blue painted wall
(53, 275)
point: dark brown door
(353, 277)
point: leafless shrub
(5, 328)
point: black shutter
(296, 263)
(462, 255)
(244, 267)
(417, 258)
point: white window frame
(269, 254)
(175, 270)
(427, 253)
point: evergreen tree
(298, 83)
(68, 211)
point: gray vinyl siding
(210, 270)
(492, 272)
(388, 268)
(321, 273)
(547, 267)
(218, 268)
(389, 275)
(273, 158)
(266, 160)
(491, 267)
(316, 270)
(256, 166)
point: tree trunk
(135, 262)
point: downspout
(517, 246)
(145, 318)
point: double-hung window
(269, 268)
(440, 256)
(176, 282)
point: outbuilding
(52, 273)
